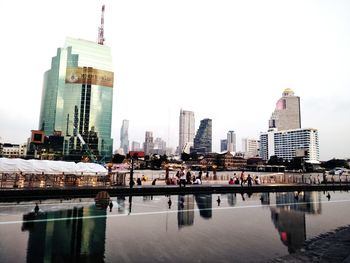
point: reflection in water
(70, 240)
(185, 214)
(231, 199)
(121, 204)
(204, 203)
(289, 216)
(265, 198)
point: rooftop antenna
(101, 38)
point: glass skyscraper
(77, 98)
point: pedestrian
(257, 180)
(182, 177)
(36, 208)
(198, 181)
(138, 181)
(249, 180)
(231, 181)
(242, 178)
(154, 181)
(169, 203)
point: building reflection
(121, 204)
(64, 236)
(185, 213)
(289, 216)
(204, 203)
(231, 199)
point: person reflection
(218, 200)
(328, 196)
(110, 206)
(242, 194)
(169, 202)
(130, 203)
(121, 204)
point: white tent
(50, 167)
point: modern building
(250, 147)
(287, 112)
(203, 139)
(135, 146)
(289, 144)
(186, 130)
(148, 144)
(231, 141)
(223, 145)
(10, 150)
(77, 97)
(159, 146)
(124, 136)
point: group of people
(242, 179)
(184, 177)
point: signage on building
(91, 76)
(37, 137)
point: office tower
(289, 144)
(186, 130)
(135, 146)
(203, 139)
(231, 141)
(159, 146)
(223, 145)
(287, 113)
(250, 147)
(124, 136)
(148, 144)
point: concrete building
(231, 141)
(287, 112)
(203, 139)
(186, 130)
(135, 146)
(148, 144)
(223, 145)
(250, 147)
(159, 146)
(77, 97)
(10, 150)
(289, 144)
(124, 136)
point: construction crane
(101, 38)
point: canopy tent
(50, 167)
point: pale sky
(222, 59)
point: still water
(188, 228)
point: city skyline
(226, 61)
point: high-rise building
(223, 145)
(250, 147)
(186, 130)
(77, 97)
(289, 144)
(203, 139)
(287, 113)
(231, 141)
(135, 146)
(148, 144)
(159, 146)
(124, 136)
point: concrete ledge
(73, 192)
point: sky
(222, 59)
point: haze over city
(229, 61)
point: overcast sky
(222, 59)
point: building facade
(135, 146)
(148, 144)
(287, 112)
(77, 98)
(289, 144)
(186, 130)
(9, 150)
(124, 136)
(203, 139)
(231, 141)
(250, 147)
(223, 145)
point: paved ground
(328, 247)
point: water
(192, 228)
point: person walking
(242, 178)
(249, 180)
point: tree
(118, 158)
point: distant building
(148, 144)
(231, 141)
(203, 139)
(223, 145)
(287, 112)
(159, 147)
(289, 144)
(135, 146)
(186, 130)
(9, 150)
(124, 136)
(250, 147)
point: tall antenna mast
(101, 38)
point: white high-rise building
(289, 144)
(124, 136)
(135, 146)
(250, 147)
(186, 130)
(287, 112)
(231, 141)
